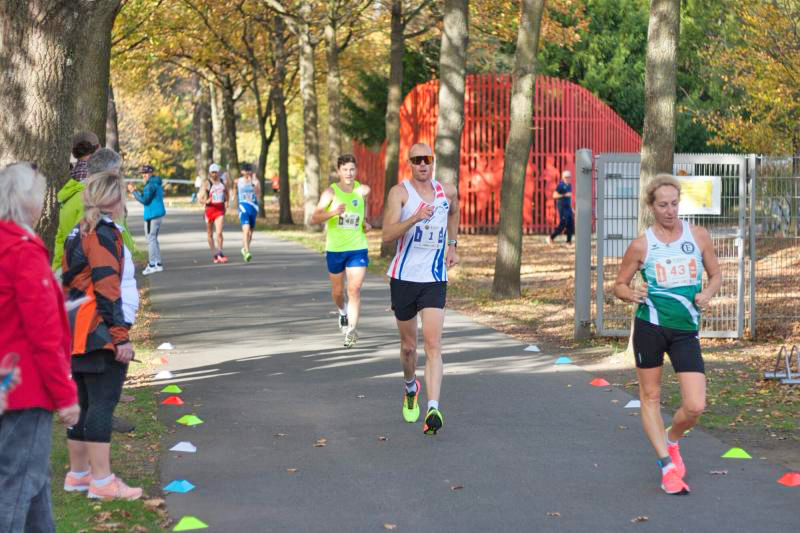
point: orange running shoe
(675, 454)
(115, 490)
(671, 483)
(77, 484)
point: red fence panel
(566, 117)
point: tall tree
(112, 122)
(506, 281)
(282, 123)
(452, 80)
(658, 138)
(201, 130)
(341, 14)
(400, 23)
(93, 64)
(38, 82)
(302, 23)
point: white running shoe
(350, 337)
(158, 268)
(150, 269)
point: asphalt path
(526, 445)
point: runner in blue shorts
(342, 208)
(249, 192)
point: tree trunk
(38, 82)
(92, 59)
(394, 101)
(518, 148)
(660, 85)
(279, 99)
(229, 118)
(201, 122)
(333, 86)
(217, 129)
(112, 122)
(265, 140)
(308, 91)
(452, 79)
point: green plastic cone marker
(172, 389)
(189, 420)
(188, 523)
(736, 453)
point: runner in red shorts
(215, 197)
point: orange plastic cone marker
(172, 400)
(599, 382)
(791, 479)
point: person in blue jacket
(563, 198)
(152, 197)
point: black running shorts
(651, 341)
(409, 297)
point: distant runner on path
(343, 208)
(420, 215)
(671, 256)
(214, 196)
(248, 191)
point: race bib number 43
(428, 237)
(676, 272)
(349, 221)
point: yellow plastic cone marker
(189, 420)
(189, 523)
(736, 453)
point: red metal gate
(566, 117)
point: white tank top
(421, 250)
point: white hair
(22, 191)
(103, 160)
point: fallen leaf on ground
(279, 434)
(361, 396)
(153, 503)
(556, 514)
(718, 472)
(127, 398)
(456, 487)
(321, 442)
(389, 526)
(104, 516)
(381, 437)
(639, 519)
(623, 427)
(291, 470)
(139, 529)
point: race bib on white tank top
(421, 250)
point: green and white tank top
(346, 231)
(674, 274)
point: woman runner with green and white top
(342, 208)
(671, 256)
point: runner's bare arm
(451, 257)
(203, 195)
(321, 214)
(710, 265)
(631, 263)
(365, 190)
(257, 187)
(393, 228)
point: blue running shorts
(248, 214)
(338, 261)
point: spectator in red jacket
(35, 329)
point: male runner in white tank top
(422, 216)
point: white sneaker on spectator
(149, 269)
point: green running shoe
(434, 421)
(410, 406)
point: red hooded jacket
(34, 323)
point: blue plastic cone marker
(184, 446)
(180, 486)
(634, 404)
(563, 361)
(188, 523)
(736, 453)
(532, 348)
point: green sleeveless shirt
(346, 231)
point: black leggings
(98, 395)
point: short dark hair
(344, 159)
(84, 143)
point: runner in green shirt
(342, 208)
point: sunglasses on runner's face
(419, 159)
